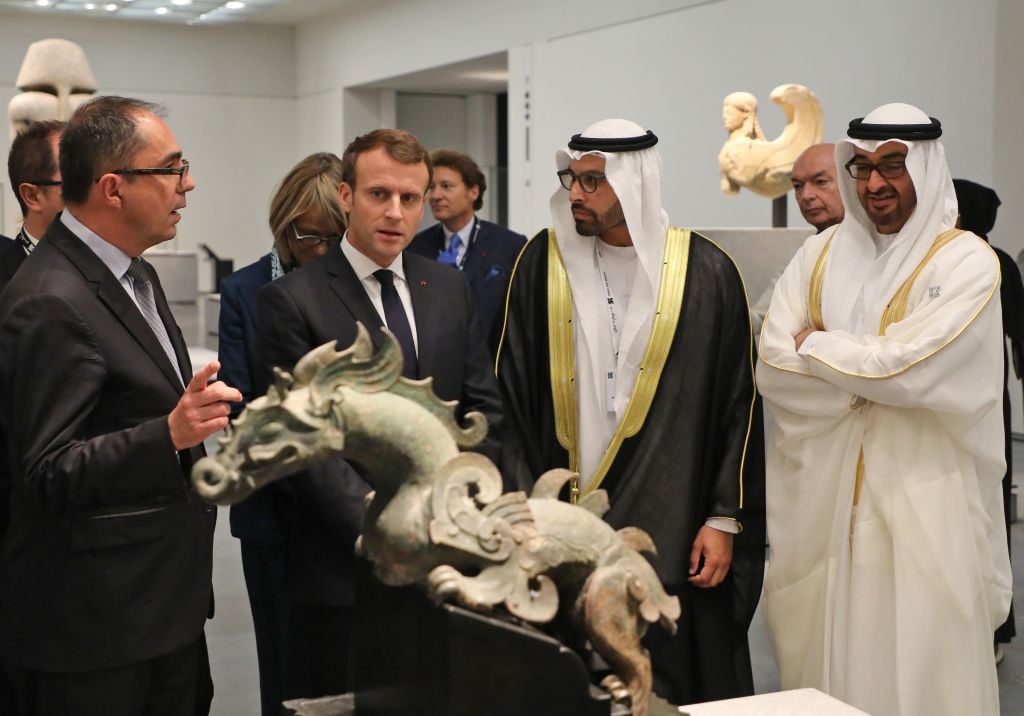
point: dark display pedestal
(413, 658)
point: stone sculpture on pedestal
(438, 517)
(761, 165)
(54, 79)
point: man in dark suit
(485, 252)
(107, 560)
(428, 307)
(35, 178)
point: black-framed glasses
(588, 180)
(314, 239)
(892, 169)
(181, 172)
(43, 182)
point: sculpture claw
(619, 691)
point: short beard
(600, 223)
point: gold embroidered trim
(896, 310)
(508, 295)
(991, 293)
(817, 285)
(753, 371)
(663, 330)
(562, 358)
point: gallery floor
(233, 651)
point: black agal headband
(612, 144)
(859, 129)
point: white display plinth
(798, 702)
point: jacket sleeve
(54, 379)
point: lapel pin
(423, 283)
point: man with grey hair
(881, 370)
(108, 556)
(626, 357)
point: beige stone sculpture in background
(55, 78)
(763, 166)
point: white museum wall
(231, 96)
(669, 64)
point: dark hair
(102, 135)
(402, 146)
(31, 157)
(467, 169)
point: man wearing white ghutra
(626, 357)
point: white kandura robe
(898, 618)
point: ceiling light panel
(192, 12)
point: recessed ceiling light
(42, 3)
(90, 6)
(110, 7)
(181, 2)
(234, 4)
(161, 11)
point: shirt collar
(114, 258)
(463, 231)
(364, 265)
(29, 236)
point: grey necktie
(147, 305)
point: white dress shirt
(364, 268)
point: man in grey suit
(368, 278)
(107, 560)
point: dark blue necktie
(450, 256)
(398, 322)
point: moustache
(881, 194)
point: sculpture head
(739, 111)
(300, 421)
(55, 78)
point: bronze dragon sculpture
(437, 515)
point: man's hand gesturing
(202, 410)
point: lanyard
(613, 324)
(26, 242)
(609, 298)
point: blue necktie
(398, 322)
(450, 256)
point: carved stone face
(55, 78)
(732, 117)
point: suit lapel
(115, 298)
(349, 289)
(428, 308)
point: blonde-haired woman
(306, 222)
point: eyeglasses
(887, 170)
(314, 239)
(181, 172)
(588, 180)
(43, 182)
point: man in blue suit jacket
(485, 252)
